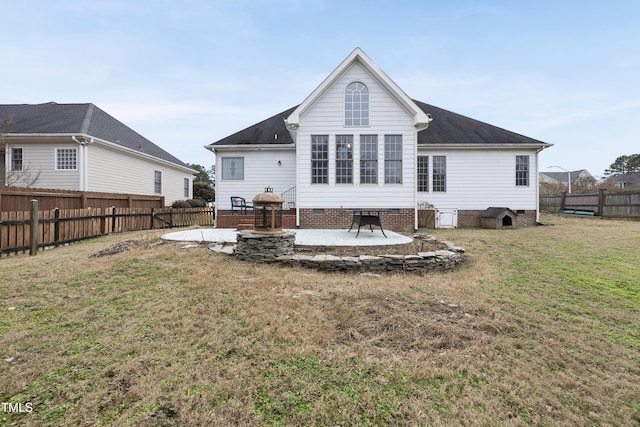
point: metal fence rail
(35, 229)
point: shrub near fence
(21, 231)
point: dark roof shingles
(53, 118)
(446, 128)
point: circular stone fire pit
(253, 246)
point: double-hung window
(16, 159)
(522, 170)
(319, 159)
(423, 173)
(187, 187)
(66, 158)
(157, 182)
(368, 159)
(356, 105)
(393, 159)
(344, 159)
(439, 174)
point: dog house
(499, 218)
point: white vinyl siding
(39, 161)
(386, 117)
(265, 170)
(115, 171)
(471, 185)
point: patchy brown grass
(538, 327)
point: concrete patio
(304, 237)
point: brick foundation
(401, 222)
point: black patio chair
(239, 204)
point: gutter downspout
(83, 157)
(419, 127)
(538, 184)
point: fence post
(563, 200)
(601, 201)
(56, 227)
(171, 217)
(113, 219)
(33, 249)
(153, 214)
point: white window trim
(223, 160)
(344, 106)
(55, 159)
(155, 182)
(11, 159)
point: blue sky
(187, 73)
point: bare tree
(26, 176)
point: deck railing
(289, 197)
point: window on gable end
(319, 159)
(393, 159)
(356, 105)
(368, 159)
(344, 159)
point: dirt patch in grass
(117, 248)
(402, 325)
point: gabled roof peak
(421, 120)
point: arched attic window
(356, 105)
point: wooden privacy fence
(30, 230)
(16, 199)
(624, 205)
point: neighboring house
(80, 147)
(580, 179)
(358, 141)
(627, 181)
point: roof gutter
(250, 147)
(484, 145)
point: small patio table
(368, 217)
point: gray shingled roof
(447, 127)
(53, 118)
(562, 176)
(262, 133)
